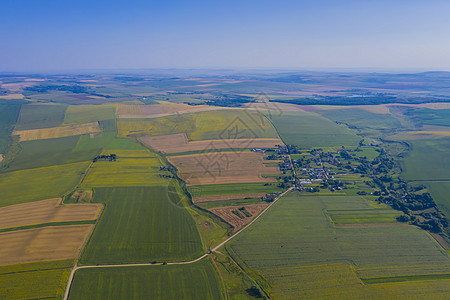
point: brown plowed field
(46, 211)
(41, 244)
(56, 132)
(227, 215)
(223, 167)
(175, 143)
(225, 197)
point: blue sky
(64, 35)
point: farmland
(283, 245)
(178, 143)
(8, 117)
(134, 227)
(310, 130)
(34, 280)
(213, 125)
(232, 189)
(57, 132)
(42, 183)
(45, 211)
(126, 171)
(79, 114)
(222, 167)
(427, 160)
(42, 244)
(37, 116)
(194, 281)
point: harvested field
(223, 167)
(57, 132)
(46, 211)
(175, 143)
(225, 197)
(41, 244)
(226, 213)
(1, 158)
(131, 111)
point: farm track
(76, 267)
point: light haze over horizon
(40, 35)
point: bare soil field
(223, 167)
(56, 132)
(226, 213)
(41, 244)
(1, 158)
(225, 197)
(46, 211)
(179, 142)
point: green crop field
(43, 280)
(40, 183)
(297, 249)
(309, 130)
(43, 153)
(426, 116)
(8, 117)
(224, 124)
(427, 160)
(127, 171)
(439, 191)
(79, 114)
(232, 188)
(362, 120)
(364, 216)
(194, 281)
(141, 224)
(35, 116)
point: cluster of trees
(111, 157)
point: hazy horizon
(325, 35)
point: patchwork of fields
(295, 247)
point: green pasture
(36, 116)
(295, 247)
(193, 281)
(43, 280)
(39, 183)
(310, 130)
(141, 224)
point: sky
(39, 35)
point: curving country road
(76, 267)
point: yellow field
(222, 167)
(56, 132)
(12, 96)
(46, 211)
(126, 171)
(174, 143)
(41, 244)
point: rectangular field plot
(223, 167)
(41, 244)
(78, 114)
(193, 281)
(295, 239)
(57, 132)
(44, 280)
(240, 189)
(40, 183)
(141, 224)
(309, 130)
(364, 216)
(178, 143)
(46, 211)
(127, 171)
(48, 152)
(213, 125)
(37, 116)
